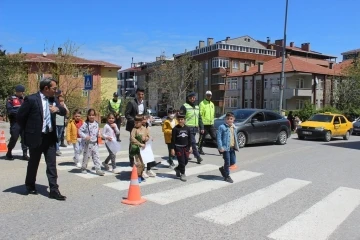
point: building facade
(350, 55)
(128, 80)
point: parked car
(325, 126)
(258, 126)
(156, 121)
(356, 127)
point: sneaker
(100, 172)
(183, 177)
(143, 179)
(222, 171)
(201, 152)
(106, 166)
(79, 165)
(25, 157)
(58, 153)
(199, 160)
(139, 179)
(177, 172)
(151, 173)
(115, 171)
(63, 145)
(83, 170)
(144, 175)
(228, 179)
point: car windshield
(240, 115)
(321, 118)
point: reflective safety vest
(115, 105)
(192, 115)
(207, 112)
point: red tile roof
(292, 64)
(340, 67)
(51, 58)
(314, 61)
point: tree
(13, 71)
(347, 89)
(172, 80)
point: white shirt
(44, 101)
(141, 106)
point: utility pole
(282, 81)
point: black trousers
(15, 132)
(182, 154)
(207, 129)
(48, 148)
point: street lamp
(283, 62)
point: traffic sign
(88, 82)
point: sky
(119, 30)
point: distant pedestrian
(110, 132)
(73, 137)
(227, 144)
(167, 128)
(12, 106)
(181, 145)
(114, 107)
(89, 132)
(60, 124)
(193, 121)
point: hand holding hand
(53, 109)
(109, 138)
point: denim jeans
(59, 130)
(229, 159)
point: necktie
(47, 116)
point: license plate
(306, 133)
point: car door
(272, 125)
(337, 130)
(257, 128)
(344, 127)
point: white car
(156, 121)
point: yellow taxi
(325, 126)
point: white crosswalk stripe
(123, 185)
(190, 190)
(322, 219)
(234, 211)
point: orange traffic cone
(3, 147)
(134, 195)
(233, 167)
(100, 141)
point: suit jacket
(30, 117)
(131, 111)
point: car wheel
(282, 138)
(327, 137)
(347, 136)
(301, 137)
(241, 139)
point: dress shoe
(9, 156)
(56, 195)
(25, 157)
(31, 190)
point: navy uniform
(12, 106)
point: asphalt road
(308, 190)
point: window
(75, 74)
(248, 84)
(270, 116)
(245, 103)
(265, 104)
(259, 117)
(85, 93)
(299, 83)
(342, 119)
(235, 64)
(299, 104)
(39, 76)
(220, 63)
(206, 81)
(231, 102)
(232, 84)
(206, 65)
(266, 84)
(337, 120)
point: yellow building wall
(108, 82)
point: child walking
(227, 144)
(139, 136)
(73, 137)
(110, 132)
(89, 132)
(167, 128)
(181, 146)
(149, 165)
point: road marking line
(92, 173)
(234, 211)
(190, 190)
(124, 185)
(322, 219)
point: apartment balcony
(218, 103)
(297, 92)
(217, 87)
(130, 79)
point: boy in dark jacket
(181, 146)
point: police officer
(115, 107)
(12, 106)
(207, 113)
(193, 121)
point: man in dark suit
(36, 117)
(133, 108)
